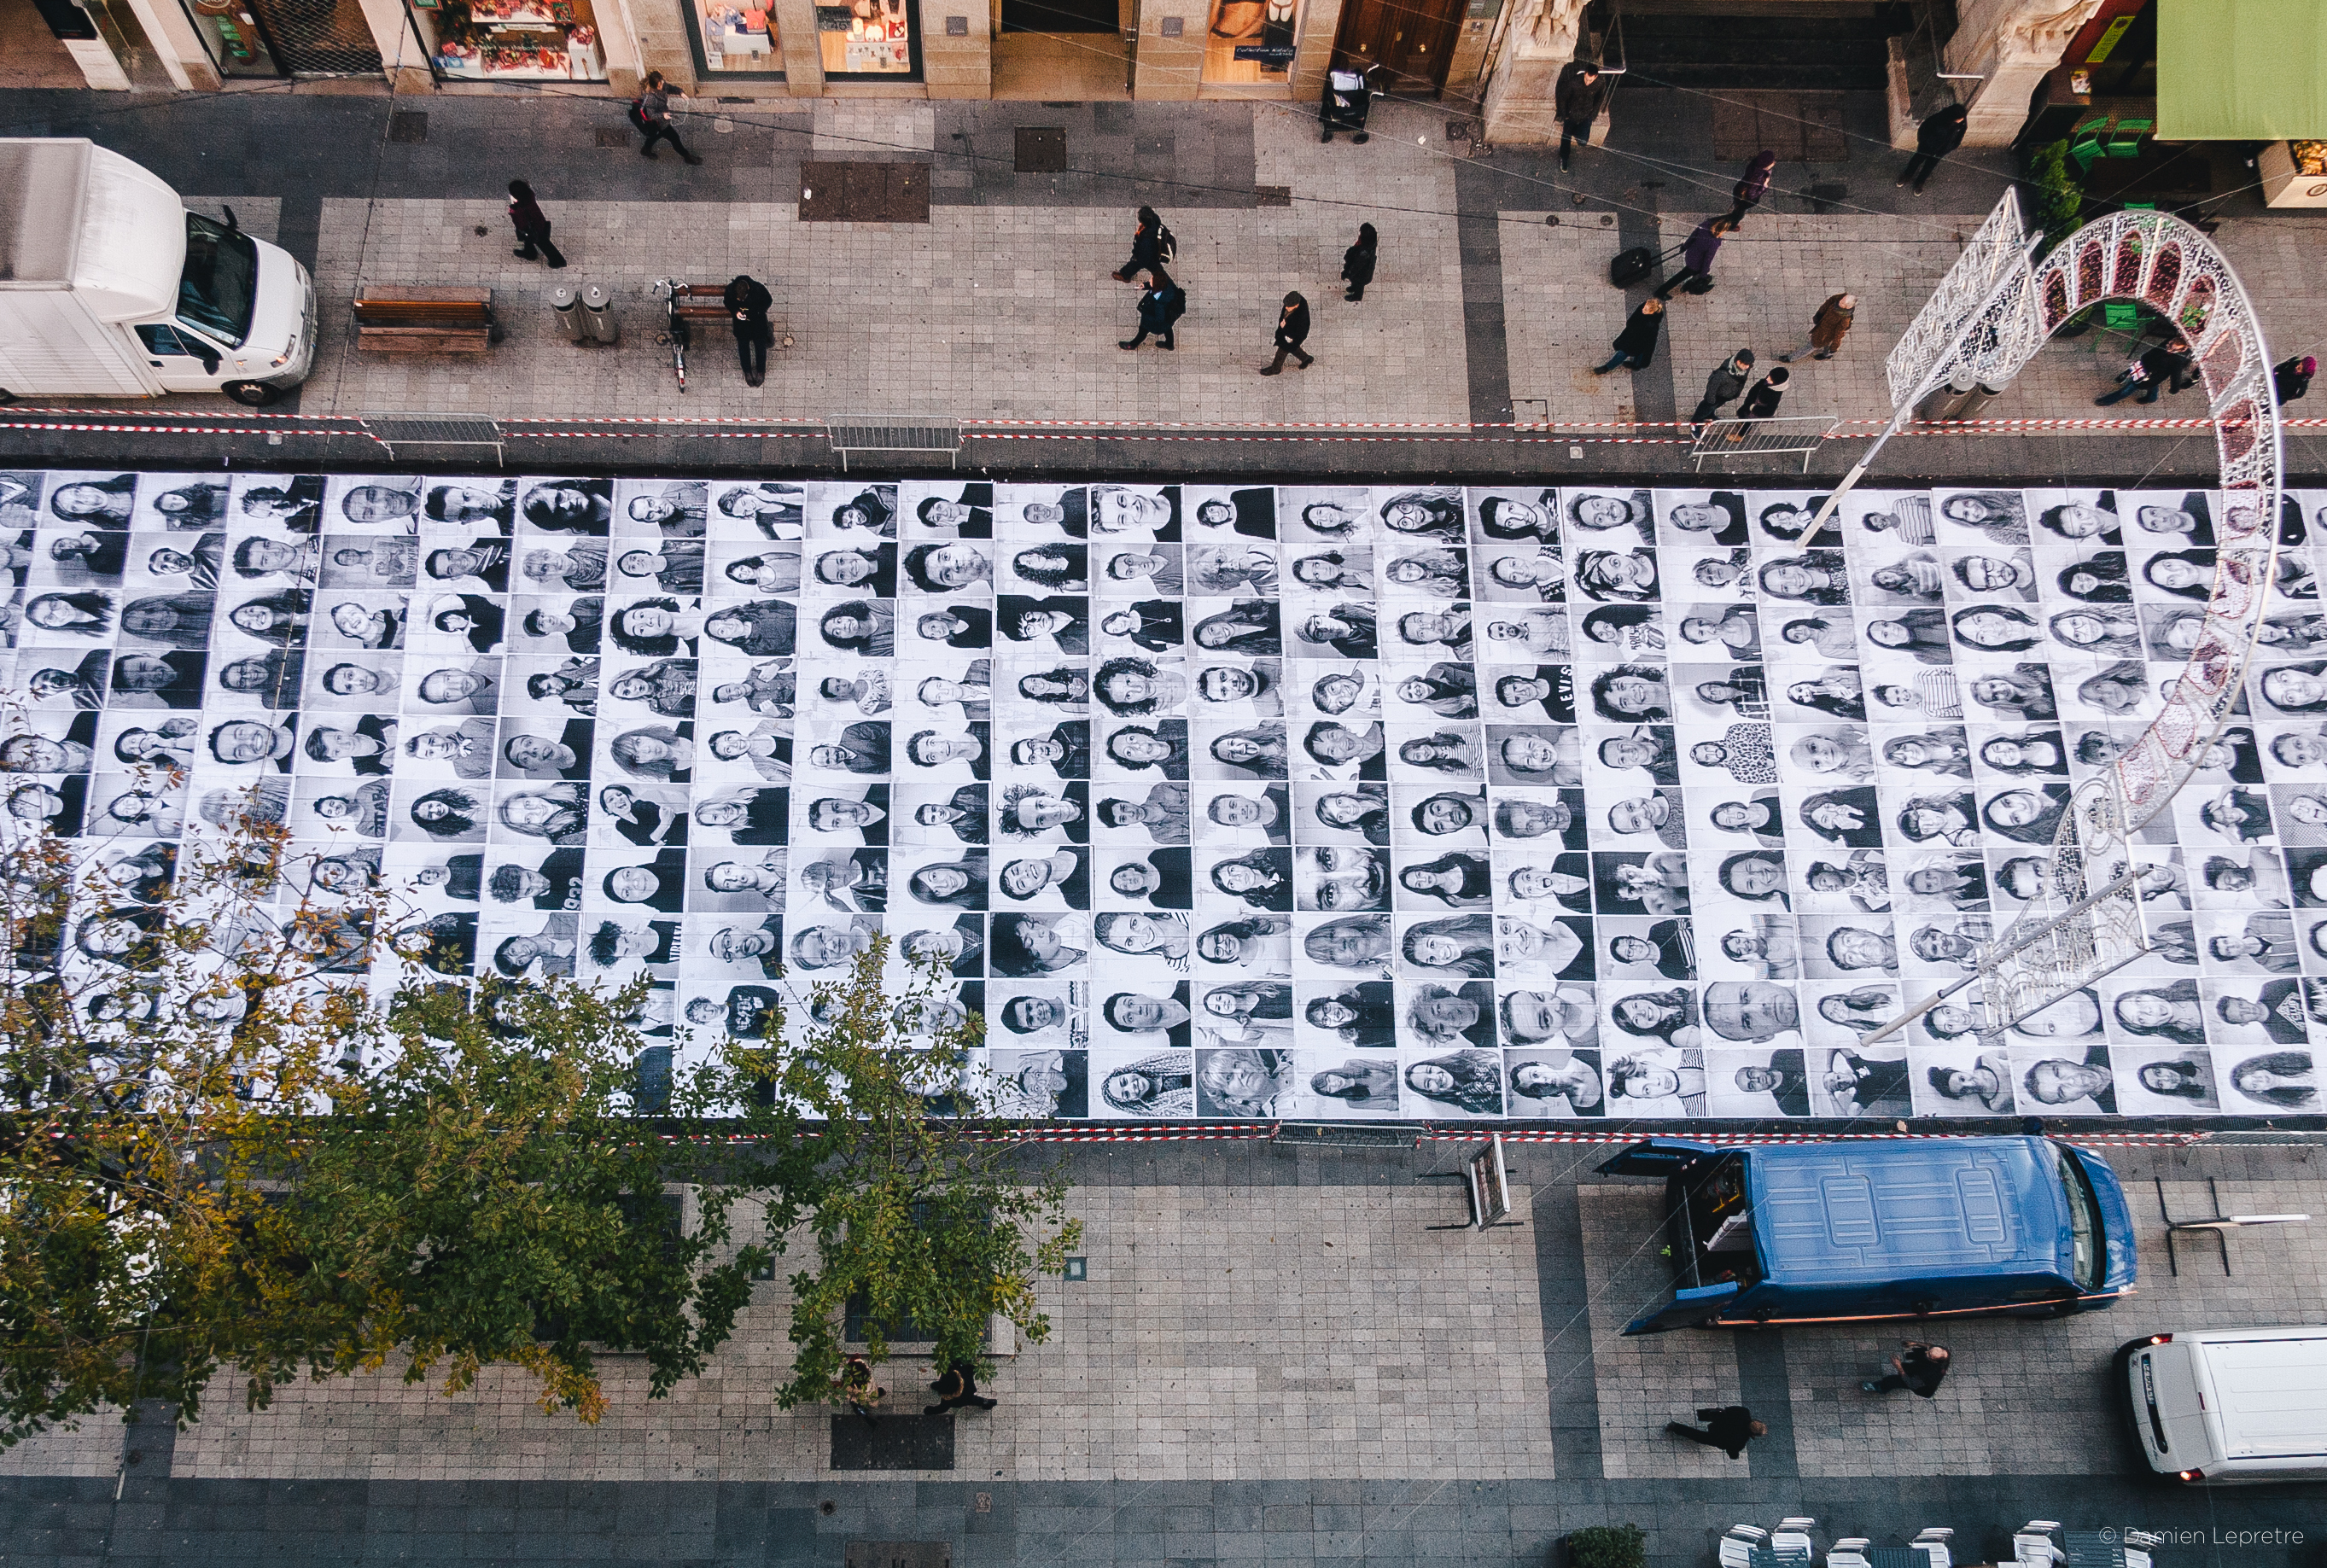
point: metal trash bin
(567, 306)
(598, 314)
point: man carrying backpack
(1163, 303)
(1151, 248)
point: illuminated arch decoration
(2012, 308)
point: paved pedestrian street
(1287, 1349)
(1272, 1356)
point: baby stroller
(1348, 100)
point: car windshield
(2084, 1219)
(220, 283)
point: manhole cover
(408, 125)
(614, 136)
(1041, 150)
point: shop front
(231, 34)
(734, 39)
(870, 41)
(1250, 43)
(510, 40)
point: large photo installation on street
(1219, 801)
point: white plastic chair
(1847, 1552)
(2032, 1543)
(1737, 1546)
(1792, 1539)
(1932, 1543)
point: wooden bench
(412, 319)
(703, 301)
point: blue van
(1924, 1227)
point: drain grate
(408, 125)
(1041, 150)
(892, 1442)
(614, 136)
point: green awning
(2241, 70)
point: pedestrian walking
(1147, 248)
(1357, 263)
(1161, 304)
(1935, 138)
(1575, 98)
(1725, 385)
(2291, 378)
(857, 1389)
(957, 1386)
(2160, 369)
(748, 304)
(1753, 187)
(1696, 254)
(1919, 1369)
(1636, 345)
(1729, 1428)
(1828, 328)
(532, 226)
(651, 112)
(1762, 402)
(1292, 331)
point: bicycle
(676, 334)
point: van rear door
(1657, 1157)
(1695, 1309)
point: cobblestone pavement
(1273, 1357)
(1001, 307)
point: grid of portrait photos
(1294, 801)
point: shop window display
(737, 38)
(875, 38)
(513, 40)
(1249, 43)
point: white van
(110, 288)
(2234, 1405)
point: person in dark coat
(748, 302)
(1935, 138)
(1292, 331)
(1721, 387)
(1357, 263)
(1696, 254)
(1920, 1370)
(1146, 249)
(1755, 185)
(1729, 1428)
(956, 1386)
(1163, 303)
(2162, 369)
(1575, 98)
(1636, 345)
(532, 226)
(2291, 378)
(1762, 401)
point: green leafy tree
(926, 1217)
(217, 1149)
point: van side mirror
(231, 221)
(209, 361)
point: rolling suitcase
(1632, 266)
